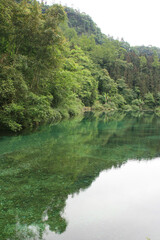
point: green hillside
(55, 60)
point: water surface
(122, 203)
(95, 177)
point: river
(95, 177)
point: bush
(118, 100)
(127, 108)
(157, 111)
(98, 106)
(149, 100)
(135, 108)
(138, 102)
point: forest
(54, 61)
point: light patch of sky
(137, 22)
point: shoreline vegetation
(56, 63)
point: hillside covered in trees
(54, 60)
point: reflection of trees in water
(40, 170)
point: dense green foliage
(51, 66)
(28, 60)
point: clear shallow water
(89, 178)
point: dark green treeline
(55, 60)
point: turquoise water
(90, 178)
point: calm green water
(91, 178)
